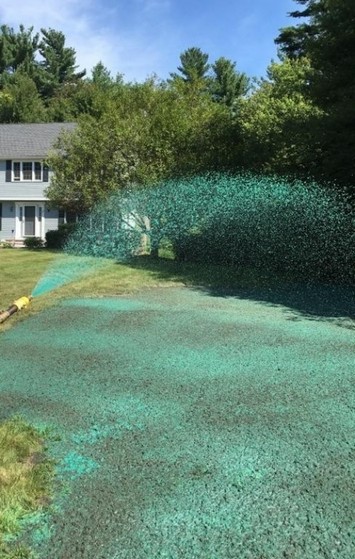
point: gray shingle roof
(30, 141)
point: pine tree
(59, 63)
(228, 84)
(328, 40)
(194, 66)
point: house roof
(30, 141)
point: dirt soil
(189, 425)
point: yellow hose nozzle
(22, 302)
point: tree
(20, 100)
(228, 84)
(53, 79)
(143, 134)
(98, 160)
(101, 76)
(17, 50)
(295, 41)
(277, 122)
(58, 66)
(194, 66)
(328, 39)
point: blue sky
(139, 38)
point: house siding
(14, 194)
(50, 220)
(21, 190)
(8, 222)
(7, 230)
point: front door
(29, 220)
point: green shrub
(6, 244)
(57, 238)
(34, 243)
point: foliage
(299, 121)
(17, 50)
(144, 133)
(228, 84)
(33, 243)
(278, 121)
(194, 66)
(99, 158)
(328, 40)
(56, 239)
(33, 70)
(58, 64)
(20, 100)
(6, 244)
(220, 80)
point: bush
(57, 238)
(6, 244)
(34, 243)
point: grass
(25, 480)
(21, 269)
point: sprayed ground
(191, 426)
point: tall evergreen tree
(17, 50)
(59, 63)
(328, 39)
(194, 66)
(295, 40)
(228, 84)
(101, 76)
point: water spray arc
(16, 306)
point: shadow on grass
(316, 301)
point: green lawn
(21, 269)
(25, 480)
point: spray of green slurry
(243, 220)
(263, 222)
(190, 426)
(65, 269)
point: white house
(24, 211)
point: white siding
(7, 230)
(20, 190)
(8, 225)
(50, 220)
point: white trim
(23, 199)
(33, 171)
(39, 224)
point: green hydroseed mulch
(190, 426)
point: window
(17, 171)
(0, 215)
(61, 217)
(38, 171)
(27, 171)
